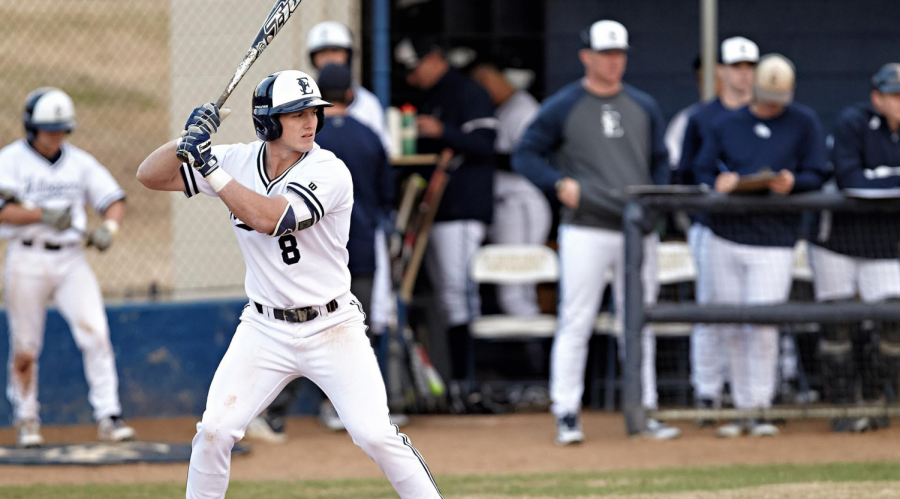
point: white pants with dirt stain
(33, 277)
(335, 354)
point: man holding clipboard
(771, 145)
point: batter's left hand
(783, 183)
(430, 127)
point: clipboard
(755, 183)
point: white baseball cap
(774, 80)
(607, 35)
(739, 49)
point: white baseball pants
(450, 250)
(334, 353)
(32, 277)
(709, 357)
(521, 216)
(750, 275)
(588, 257)
(840, 277)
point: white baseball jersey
(305, 268)
(366, 108)
(75, 179)
(514, 116)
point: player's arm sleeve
(659, 156)
(478, 131)
(102, 188)
(847, 157)
(706, 165)
(320, 192)
(689, 149)
(194, 183)
(812, 169)
(531, 158)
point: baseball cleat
(658, 430)
(763, 428)
(329, 418)
(114, 429)
(29, 434)
(733, 429)
(260, 429)
(568, 430)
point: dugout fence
(812, 212)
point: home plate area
(94, 454)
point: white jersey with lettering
(306, 268)
(75, 179)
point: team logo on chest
(612, 122)
(762, 131)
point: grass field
(820, 481)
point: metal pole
(381, 50)
(634, 318)
(709, 39)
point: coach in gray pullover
(596, 139)
(590, 140)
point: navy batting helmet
(285, 92)
(49, 109)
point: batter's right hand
(568, 190)
(727, 181)
(58, 218)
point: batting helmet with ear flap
(281, 93)
(49, 109)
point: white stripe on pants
(586, 256)
(750, 275)
(709, 357)
(521, 216)
(450, 250)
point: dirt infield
(455, 445)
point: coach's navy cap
(887, 79)
(334, 78)
(410, 51)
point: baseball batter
(751, 257)
(53, 180)
(591, 138)
(290, 204)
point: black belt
(48, 246)
(298, 314)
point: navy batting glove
(206, 117)
(195, 149)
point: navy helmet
(285, 92)
(49, 109)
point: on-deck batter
(290, 203)
(45, 260)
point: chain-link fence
(134, 71)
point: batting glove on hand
(101, 238)
(195, 149)
(58, 218)
(207, 117)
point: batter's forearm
(16, 214)
(160, 170)
(259, 212)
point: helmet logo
(59, 112)
(305, 87)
